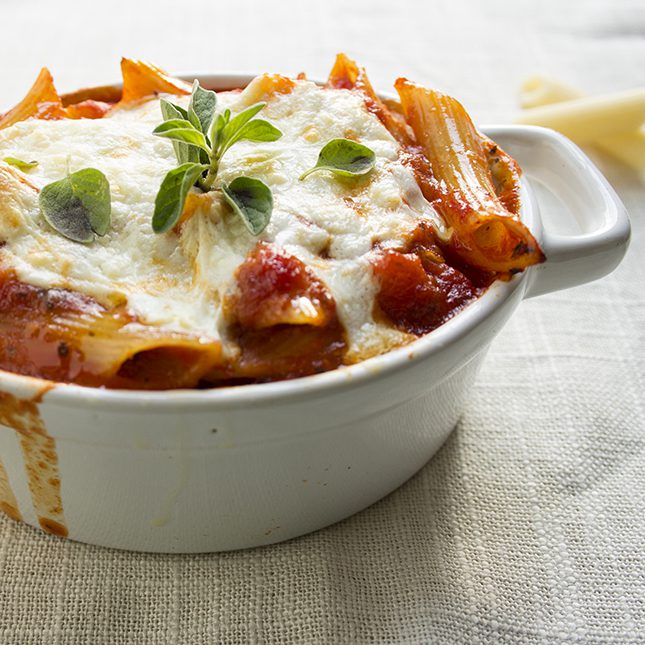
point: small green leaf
(257, 130)
(181, 130)
(345, 158)
(183, 151)
(174, 124)
(78, 206)
(20, 164)
(172, 194)
(230, 133)
(252, 200)
(241, 119)
(216, 131)
(172, 111)
(202, 107)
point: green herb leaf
(172, 194)
(181, 130)
(252, 200)
(78, 206)
(202, 107)
(172, 111)
(345, 158)
(257, 130)
(241, 119)
(20, 164)
(217, 129)
(183, 151)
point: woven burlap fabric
(528, 526)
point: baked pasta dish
(168, 235)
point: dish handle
(585, 197)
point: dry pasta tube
(626, 146)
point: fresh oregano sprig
(200, 138)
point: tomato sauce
(284, 318)
(420, 289)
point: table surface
(528, 525)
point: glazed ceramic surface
(194, 471)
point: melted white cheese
(179, 282)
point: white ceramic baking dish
(193, 471)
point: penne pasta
(486, 242)
(142, 80)
(278, 289)
(588, 119)
(628, 147)
(284, 317)
(263, 87)
(41, 101)
(487, 233)
(88, 109)
(346, 74)
(67, 337)
(537, 91)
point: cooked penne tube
(42, 102)
(486, 234)
(486, 175)
(141, 80)
(81, 341)
(628, 147)
(263, 87)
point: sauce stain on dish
(40, 458)
(8, 503)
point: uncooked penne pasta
(628, 148)
(538, 91)
(589, 119)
